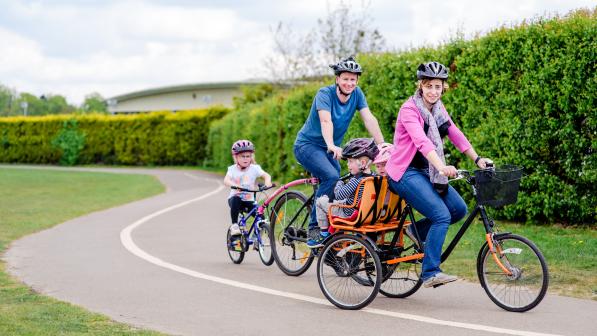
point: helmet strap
(342, 92)
(363, 167)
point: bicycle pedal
(435, 286)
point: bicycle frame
(257, 217)
(478, 209)
(312, 181)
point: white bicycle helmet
(432, 70)
(347, 65)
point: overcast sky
(74, 48)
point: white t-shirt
(244, 178)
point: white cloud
(114, 47)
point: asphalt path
(161, 263)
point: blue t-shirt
(327, 99)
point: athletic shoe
(439, 279)
(318, 242)
(234, 229)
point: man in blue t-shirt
(317, 145)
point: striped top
(344, 192)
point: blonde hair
(252, 157)
(424, 81)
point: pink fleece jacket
(409, 137)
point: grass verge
(32, 200)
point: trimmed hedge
(148, 139)
(523, 95)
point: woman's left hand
(484, 163)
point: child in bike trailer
(359, 153)
(243, 173)
(385, 150)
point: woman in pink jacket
(418, 171)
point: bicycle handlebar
(261, 188)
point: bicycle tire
(293, 257)
(265, 247)
(526, 286)
(235, 247)
(401, 280)
(341, 279)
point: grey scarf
(433, 119)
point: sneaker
(318, 242)
(439, 279)
(411, 234)
(234, 230)
(313, 233)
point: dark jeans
(322, 165)
(236, 206)
(440, 211)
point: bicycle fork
(494, 247)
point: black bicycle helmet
(358, 147)
(347, 65)
(432, 70)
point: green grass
(571, 255)
(32, 200)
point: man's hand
(336, 151)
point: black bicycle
(289, 220)
(353, 266)
(290, 226)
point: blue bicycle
(257, 234)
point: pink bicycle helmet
(385, 150)
(242, 146)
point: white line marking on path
(129, 244)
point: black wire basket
(498, 187)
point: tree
(7, 100)
(94, 103)
(343, 32)
(56, 104)
(13, 103)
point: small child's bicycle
(258, 234)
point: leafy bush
(70, 142)
(523, 95)
(160, 138)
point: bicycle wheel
(349, 272)
(401, 280)
(236, 247)
(289, 228)
(265, 247)
(526, 286)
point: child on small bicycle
(243, 173)
(359, 153)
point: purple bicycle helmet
(358, 147)
(242, 146)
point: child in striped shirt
(359, 153)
